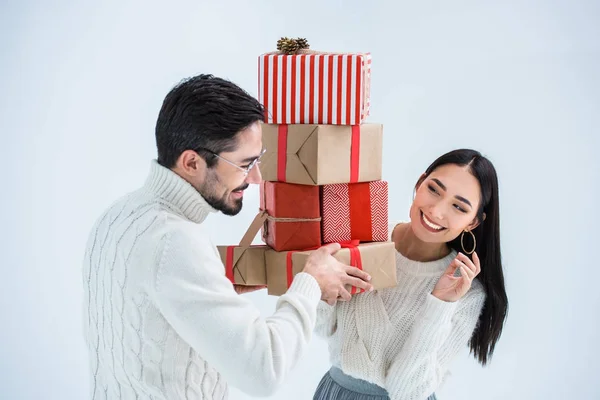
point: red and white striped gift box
(315, 88)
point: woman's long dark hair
(487, 235)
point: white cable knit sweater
(161, 319)
(401, 338)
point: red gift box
(355, 211)
(294, 215)
(315, 87)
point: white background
(81, 84)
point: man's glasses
(246, 170)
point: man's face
(223, 185)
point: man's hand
(332, 275)
(241, 289)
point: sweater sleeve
(252, 353)
(439, 333)
(326, 320)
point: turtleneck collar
(170, 187)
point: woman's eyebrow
(460, 198)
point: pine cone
(302, 43)
(283, 41)
(290, 47)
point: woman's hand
(451, 288)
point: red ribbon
(355, 261)
(354, 153)
(361, 220)
(355, 258)
(348, 244)
(289, 268)
(229, 263)
(288, 262)
(282, 152)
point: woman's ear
(476, 222)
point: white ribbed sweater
(161, 319)
(401, 338)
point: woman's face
(445, 204)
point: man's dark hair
(203, 113)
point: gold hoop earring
(462, 242)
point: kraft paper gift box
(294, 215)
(322, 154)
(245, 263)
(355, 211)
(315, 87)
(377, 258)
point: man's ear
(190, 163)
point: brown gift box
(294, 220)
(378, 260)
(322, 154)
(245, 264)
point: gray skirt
(335, 385)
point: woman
(397, 343)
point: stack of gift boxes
(322, 171)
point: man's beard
(207, 191)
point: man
(162, 320)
